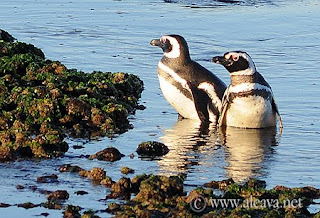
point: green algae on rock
(42, 100)
(152, 149)
(126, 170)
(162, 196)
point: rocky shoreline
(42, 102)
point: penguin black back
(190, 88)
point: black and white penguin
(248, 101)
(192, 90)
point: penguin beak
(222, 60)
(155, 42)
(165, 45)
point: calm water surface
(283, 38)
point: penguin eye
(235, 57)
(164, 40)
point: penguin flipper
(275, 108)
(201, 100)
(225, 104)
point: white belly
(183, 105)
(250, 112)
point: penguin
(248, 101)
(192, 90)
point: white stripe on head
(235, 55)
(175, 51)
(243, 87)
(210, 90)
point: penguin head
(236, 62)
(173, 46)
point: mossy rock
(42, 101)
(152, 149)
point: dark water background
(282, 37)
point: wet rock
(219, 184)
(107, 182)
(72, 212)
(77, 147)
(108, 154)
(194, 194)
(33, 188)
(70, 168)
(161, 196)
(121, 189)
(113, 207)
(89, 214)
(6, 37)
(96, 174)
(4, 205)
(126, 170)
(48, 179)
(7, 153)
(41, 101)
(141, 107)
(158, 189)
(81, 193)
(58, 195)
(19, 187)
(256, 184)
(27, 205)
(136, 181)
(157, 197)
(281, 188)
(44, 214)
(54, 205)
(78, 107)
(152, 148)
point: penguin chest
(250, 112)
(179, 97)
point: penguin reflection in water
(248, 102)
(192, 90)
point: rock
(6, 37)
(81, 193)
(6, 153)
(152, 148)
(96, 174)
(70, 168)
(136, 182)
(121, 189)
(126, 170)
(4, 205)
(112, 207)
(72, 212)
(55, 205)
(107, 182)
(27, 205)
(58, 195)
(19, 187)
(219, 184)
(48, 179)
(256, 184)
(108, 154)
(159, 188)
(42, 101)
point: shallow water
(282, 37)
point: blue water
(282, 37)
